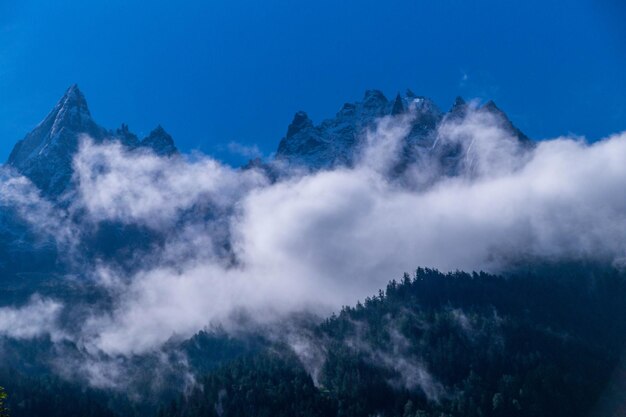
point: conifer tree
(3, 410)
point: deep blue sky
(212, 72)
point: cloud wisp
(36, 319)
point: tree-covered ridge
(534, 344)
(539, 343)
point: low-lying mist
(234, 241)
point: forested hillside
(459, 344)
(535, 343)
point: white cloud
(36, 319)
(247, 151)
(18, 194)
(235, 242)
(136, 187)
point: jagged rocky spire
(45, 154)
(125, 136)
(337, 141)
(300, 121)
(458, 109)
(492, 108)
(398, 105)
(160, 142)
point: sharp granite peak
(337, 141)
(45, 155)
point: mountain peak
(70, 112)
(158, 130)
(300, 121)
(338, 141)
(72, 104)
(125, 136)
(160, 142)
(73, 92)
(491, 106)
(459, 108)
(398, 105)
(45, 154)
(374, 98)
